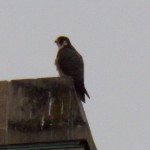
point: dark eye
(61, 41)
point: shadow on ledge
(41, 110)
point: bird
(70, 63)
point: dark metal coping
(49, 145)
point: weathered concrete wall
(41, 110)
(3, 111)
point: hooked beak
(55, 41)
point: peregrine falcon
(69, 62)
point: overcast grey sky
(113, 37)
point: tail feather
(81, 91)
(87, 94)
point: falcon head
(62, 41)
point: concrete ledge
(41, 110)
